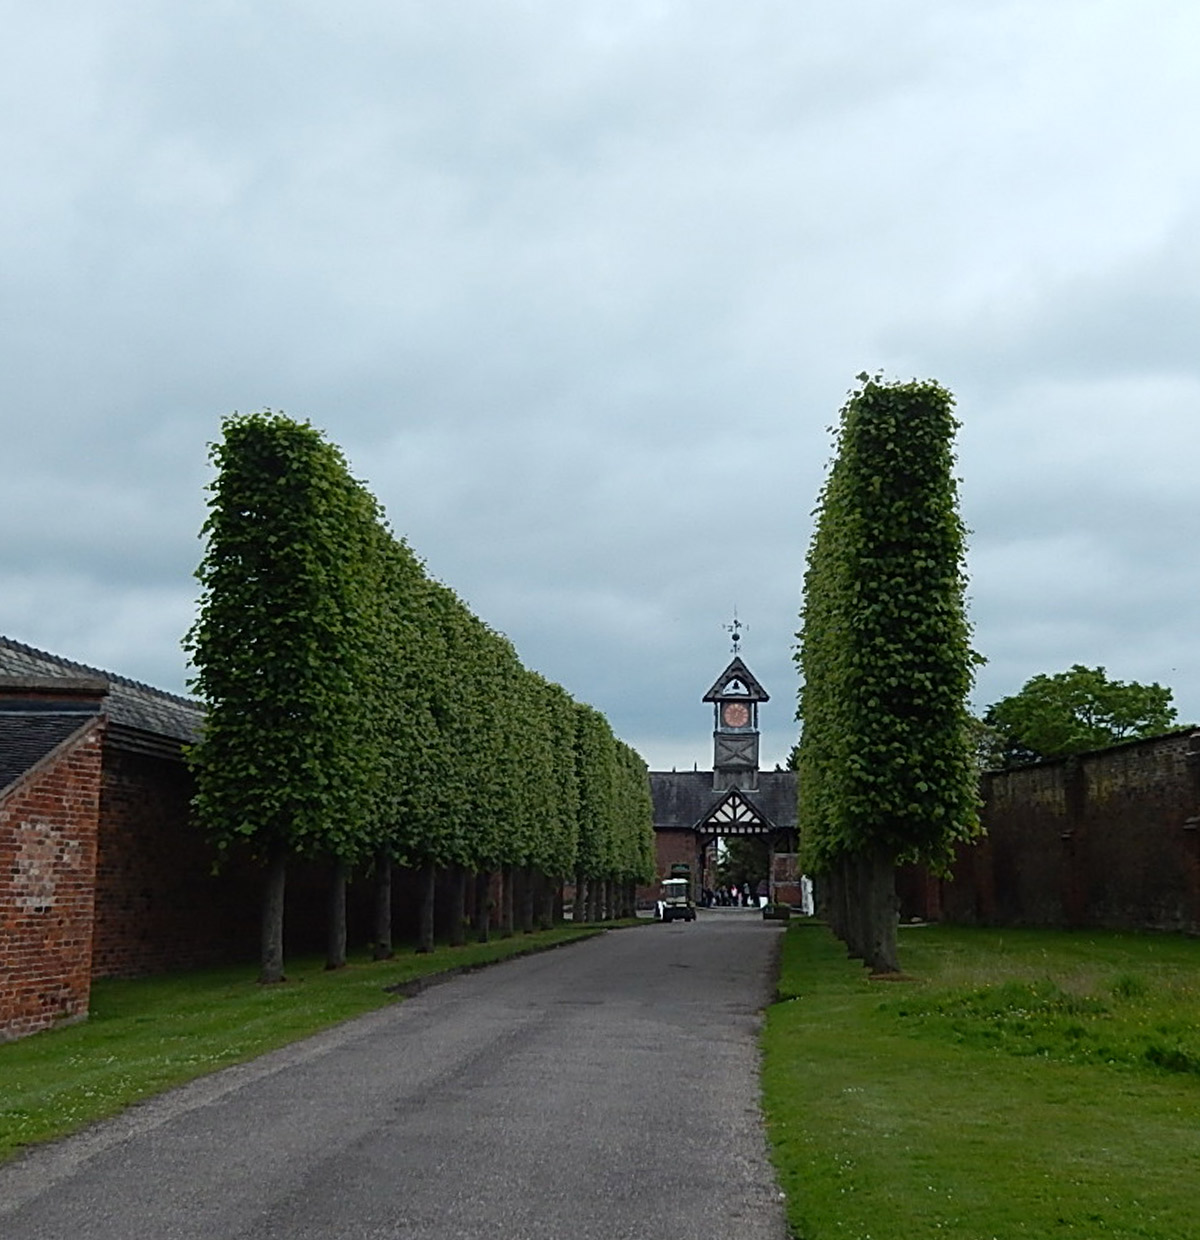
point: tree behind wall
(885, 768)
(1074, 711)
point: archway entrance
(738, 843)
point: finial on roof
(735, 630)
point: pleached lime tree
(359, 713)
(406, 742)
(635, 828)
(552, 859)
(286, 765)
(884, 761)
(595, 758)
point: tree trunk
(506, 901)
(458, 906)
(579, 909)
(483, 905)
(335, 951)
(846, 902)
(271, 937)
(863, 921)
(882, 952)
(548, 891)
(382, 950)
(427, 894)
(528, 892)
(832, 903)
(595, 899)
(849, 898)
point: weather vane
(735, 630)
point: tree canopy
(1074, 711)
(357, 709)
(278, 647)
(884, 650)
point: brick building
(695, 809)
(103, 870)
(102, 873)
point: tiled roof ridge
(113, 677)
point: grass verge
(1025, 1084)
(146, 1035)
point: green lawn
(146, 1035)
(1024, 1084)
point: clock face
(735, 714)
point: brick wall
(670, 847)
(1107, 839)
(47, 864)
(159, 906)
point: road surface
(604, 1090)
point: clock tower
(735, 697)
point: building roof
(683, 799)
(26, 739)
(129, 703)
(737, 682)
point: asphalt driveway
(605, 1090)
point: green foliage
(595, 755)
(356, 707)
(634, 828)
(1075, 711)
(986, 743)
(616, 815)
(747, 860)
(884, 652)
(559, 837)
(286, 759)
(406, 744)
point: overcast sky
(579, 289)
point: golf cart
(675, 901)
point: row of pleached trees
(357, 711)
(885, 762)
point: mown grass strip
(146, 1035)
(1025, 1084)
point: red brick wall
(1108, 839)
(158, 904)
(47, 863)
(161, 907)
(670, 847)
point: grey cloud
(579, 288)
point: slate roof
(129, 702)
(737, 670)
(684, 798)
(26, 739)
